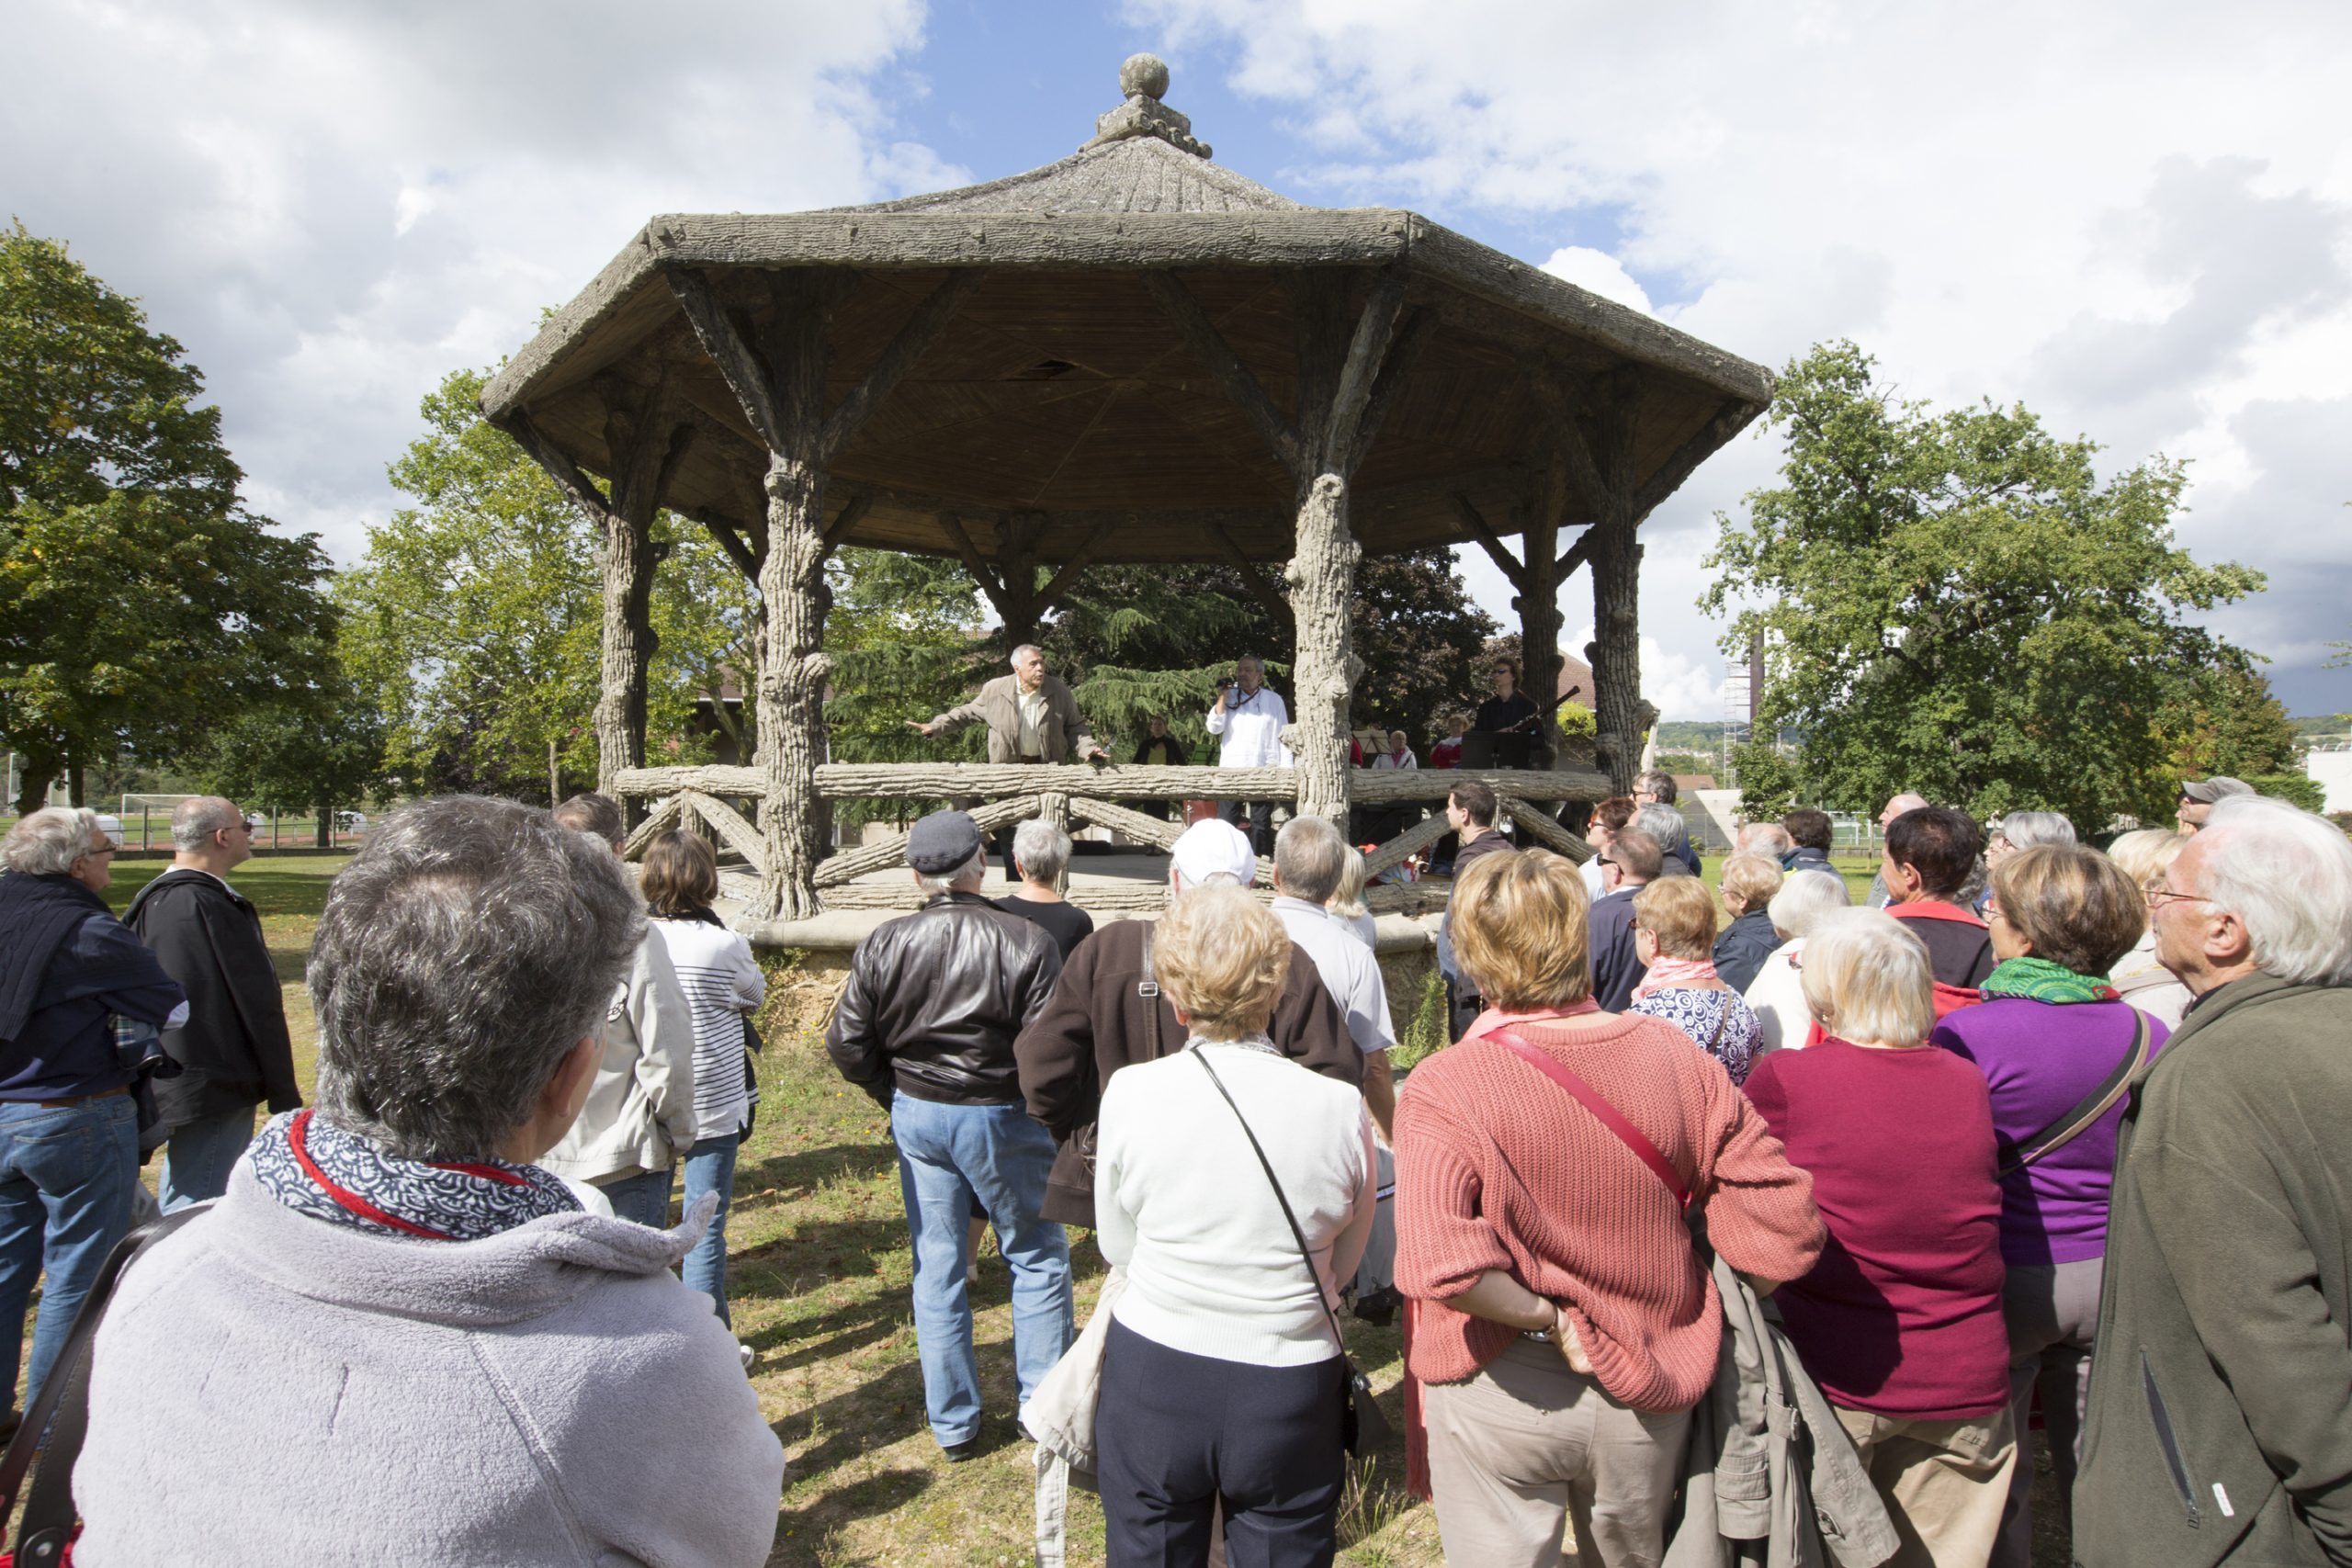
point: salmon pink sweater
(1498, 1167)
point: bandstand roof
(1061, 394)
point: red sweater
(1903, 1317)
(1497, 1167)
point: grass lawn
(818, 1278)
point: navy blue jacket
(1805, 857)
(1616, 967)
(1741, 951)
(65, 1047)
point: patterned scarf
(2038, 979)
(315, 1168)
(1675, 975)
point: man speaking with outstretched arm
(1032, 717)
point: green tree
(2223, 719)
(315, 750)
(141, 603)
(474, 620)
(1768, 779)
(1955, 603)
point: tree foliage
(312, 750)
(1956, 603)
(141, 601)
(474, 621)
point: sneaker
(1377, 1308)
(972, 1275)
(748, 1354)
(959, 1452)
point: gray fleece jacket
(271, 1388)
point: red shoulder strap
(1933, 910)
(1586, 1096)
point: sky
(2132, 215)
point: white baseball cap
(1212, 849)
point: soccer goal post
(142, 813)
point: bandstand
(1132, 355)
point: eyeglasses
(1604, 860)
(1993, 912)
(2156, 893)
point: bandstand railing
(698, 798)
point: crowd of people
(1734, 1216)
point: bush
(2296, 789)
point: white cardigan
(1183, 1204)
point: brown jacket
(1099, 1021)
(1064, 729)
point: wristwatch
(1541, 1335)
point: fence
(701, 797)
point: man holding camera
(1250, 720)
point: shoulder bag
(44, 1536)
(1362, 1429)
(2086, 1111)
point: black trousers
(1255, 818)
(1176, 1432)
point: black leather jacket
(935, 999)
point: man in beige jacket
(639, 1114)
(1032, 717)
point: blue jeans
(197, 1160)
(710, 1167)
(948, 1155)
(65, 1180)
(644, 1198)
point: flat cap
(2207, 791)
(942, 842)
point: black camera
(1224, 681)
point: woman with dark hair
(722, 984)
(2055, 1043)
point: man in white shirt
(1250, 720)
(1309, 858)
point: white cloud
(1599, 273)
(2135, 222)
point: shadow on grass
(810, 1534)
(784, 1178)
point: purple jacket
(2039, 1059)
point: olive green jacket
(1064, 733)
(2221, 1403)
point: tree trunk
(792, 666)
(74, 794)
(629, 644)
(1322, 589)
(1538, 610)
(32, 784)
(1620, 715)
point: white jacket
(640, 1111)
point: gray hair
(468, 946)
(2288, 874)
(1803, 898)
(197, 818)
(1041, 849)
(47, 842)
(1665, 824)
(1660, 782)
(932, 886)
(2033, 830)
(1310, 857)
(1013, 657)
(1766, 838)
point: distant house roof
(1685, 782)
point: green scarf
(2042, 981)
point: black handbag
(1362, 1429)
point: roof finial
(1144, 81)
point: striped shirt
(722, 983)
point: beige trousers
(1528, 1447)
(1944, 1482)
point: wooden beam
(1728, 421)
(852, 513)
(727, 540)
(1368, 345)
(868, 859)
(745, 377)
(739, 835)
(1217, 357)
(974, 562)
(1402, 353)
(1475, 521)
(1073, 568)
(930, 319)
(1573, 556)
(662, 820)
(1534, 824)
(1269, 597)
(577, 487)
(941, 781)
(1407, 844)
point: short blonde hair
(1518, 924)
(2147, 854)
(2078, 907)
(1677, 911)
(1348, 902)
(1752, 879)
(1868, 979)
(1222, 958)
